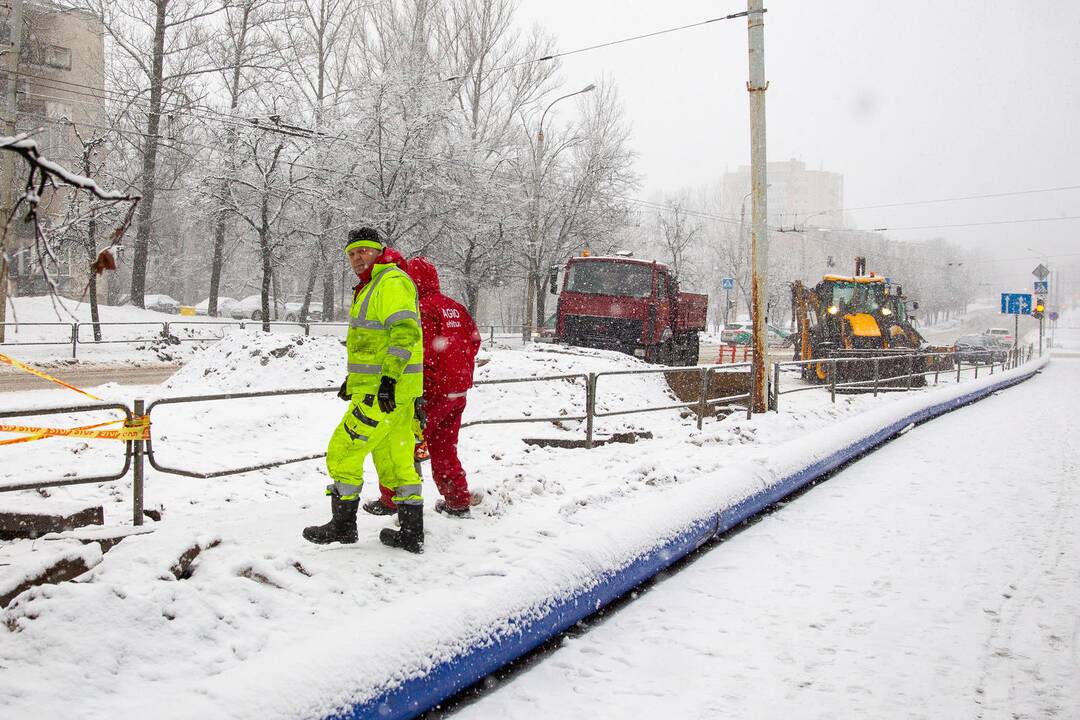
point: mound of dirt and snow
(253, 361)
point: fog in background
(910, 101)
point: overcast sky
(908, 99)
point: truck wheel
(669, 354)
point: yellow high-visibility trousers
(388, 438)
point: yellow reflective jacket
(385, 337)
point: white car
(1002, 335)
(740, 333)
(250, 308)
(161, 303)
(224, 306)
(292, 312)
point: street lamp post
(532, 281)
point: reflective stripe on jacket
(385, 336)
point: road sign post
(727, 284)
(1016, 304)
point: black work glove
(419, 412)
(342, 392)
(386, 394)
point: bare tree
(45, 177)
(261, 195)
(154, 45)
(491, 85)
(319, 41)
(584, 181)
(240, 53)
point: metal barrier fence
(878, 383)
(129, 455)
(136, 451)
(74, 334)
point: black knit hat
(363, 237)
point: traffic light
(1040, 308)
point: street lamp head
(589, 88)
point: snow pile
(252, 361)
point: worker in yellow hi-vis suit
(386, 371)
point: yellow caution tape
(23, 366)
(135, 429)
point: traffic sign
(1041, 272)
(1042, 287)
(727, 283)
(1054, 315)
(1016, 303)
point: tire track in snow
(1018, 595)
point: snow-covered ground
(262, 623)
(937, 578)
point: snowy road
(936, 578)
(13, 380)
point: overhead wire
(610, 43)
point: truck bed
(692, 312)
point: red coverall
(451, 342)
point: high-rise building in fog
(797, 197)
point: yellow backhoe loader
(858, 316)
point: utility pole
(7, 162)
(758, 209)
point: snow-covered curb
(488, 637)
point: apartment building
(60, 89)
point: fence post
(937, 370)
(976, 366)
(307, 329)
(776, 388)
(910, 371)
(959, 364)
(590, 408)
(164, 331)
(877, 374)
(991, 363)
(702, 401)
(491, 333)
(832, 378)
(74, 339)
(137, 470)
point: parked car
(738, 333)
(980, 349)
(1002, 335)
(250, 308)
(161, 303)
(292, 312)
(224, 306)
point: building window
(58, 57)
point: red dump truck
(621, 303)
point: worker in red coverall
(451, 342)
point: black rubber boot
(342, 525)
(376, 507)
(411, 535)
(442, 507)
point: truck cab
(630, 305)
